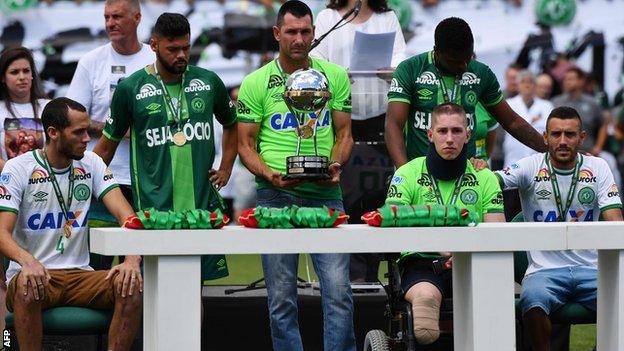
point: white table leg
(483, 301)
(172, 297)
(610, 300)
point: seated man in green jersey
(443, 176)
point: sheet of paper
(372, 51)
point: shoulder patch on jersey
(5, 178)
(613, 192)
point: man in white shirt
(98, 74)
(561, 185)
(530, 107)
(44, 200)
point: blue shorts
(552, 288)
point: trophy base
(307, 168)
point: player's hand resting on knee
(34, 278)
(130, 279)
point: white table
(483, 287)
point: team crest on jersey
(428, 78)
(469, 78)
(38, 176)
(148, 90)
(196, 85)
(586, 195)
(613, 192)
(586, 176)
(275, 81)
(81, 174)
(424, 180)
(543, 194)
(198, 105)
(395, 87)
(82, 192)
(470, 180)
(4, 193)
(469, 197)
(542, 175)
(470, 98)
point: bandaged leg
(426, 313)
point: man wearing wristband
(444, 176)
(45, 196)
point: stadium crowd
(152, 131)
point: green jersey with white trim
(166, 176)
(417, 82)
(479, 191)
(260, 101)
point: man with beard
(46, 234)
(561, 185)
(169, 108)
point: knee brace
(426, 313)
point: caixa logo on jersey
(162, 135)
(288, 121)
(196, 85)
(81, 174)
(575, 216)
(148, 90)
(38, 176)
(4, 193)
(56, 220)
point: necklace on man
(179, 139)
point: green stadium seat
(73, 320)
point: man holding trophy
(294, 133)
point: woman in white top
(368, 92)
(21, 103)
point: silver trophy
(307, 91)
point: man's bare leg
(126, 319)
(540, 328)
(426, 300)
(28, 320)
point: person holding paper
(448, 73)
(367, 92)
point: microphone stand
(354, 11)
